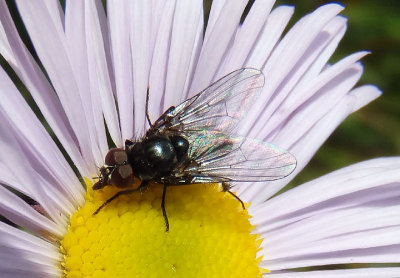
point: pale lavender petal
(216, 42)
(119, 25)
(364, 95)
(259, 192)
(47, 36)
(21, 263)
(197, 45)
(11, 237)
(39, 149)
(294, 77)
(299, 134)
(26, 174)
(382, 272)
(184, 34)
(215, 11)
(20, 213)
(75, 38)
(343, 74)
(105, 32)
(158, 8)
(5, 48)
(345, 229)
(271, 33)
(29, 72)
(140, 38)
(100, 81)
(322, 60)
(289, 60)
(349, 216)
(339, 183)
(247, 37)
(158, 71)
(307, 145)
(89, 60)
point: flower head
(95, 67)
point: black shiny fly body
(156, 156)
(194, 143)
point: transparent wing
(219, 107)
(218, 157)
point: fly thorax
(160, 153)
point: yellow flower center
(209, 235)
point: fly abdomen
(181, 146)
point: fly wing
(219, 157)
(219, 107)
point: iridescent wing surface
(219, 107)
(218, 157)
(207, 121)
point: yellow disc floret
(209, 236)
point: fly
(193, 143)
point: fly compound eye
(122, 176)
(116, 156)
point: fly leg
(119, 193)
(161, 121)
(142, 187)
(147, 106)
(163, 208)
(226, 187)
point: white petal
(13, 264)
(289, 60)
(347, 229)
(77, 49)
(215, 11)
(349, 216)
(382, 272)
(158, 71)
(187, 16)
(247, 36)
(20, 213)
(364, 95)
(100, 82)
(309, 127)
(118, 16)
(338, 183)
(39, 149)
(89, 60)
(321, 95)
(272, 32)
(216, 42)
(24, 175)
(158, 8)
(29, 72)
(140, 39)
(11, 237)
(5, 48)
(47, 35)
(198, 43)
(339, 25)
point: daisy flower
(88, 77)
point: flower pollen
(209, 236)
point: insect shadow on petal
(193, 143)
